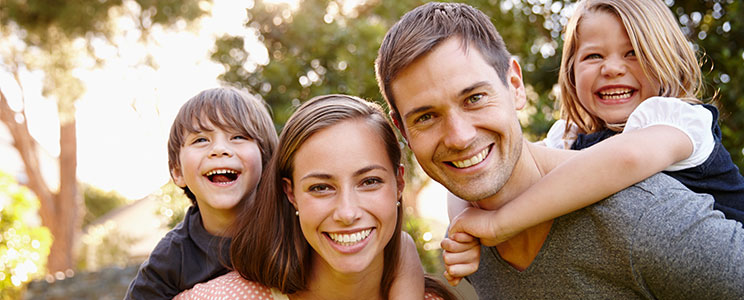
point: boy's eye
(474, 98)
(241, 137)
(199, 140)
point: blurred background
(89, 90)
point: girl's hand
(486, 225)
(461, 255)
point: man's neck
(534, 162)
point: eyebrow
(357, 173)
(463, 92)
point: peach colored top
(232, 286)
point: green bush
(24, 243)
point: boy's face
(219, 168)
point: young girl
(628, 68)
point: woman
(326, 222)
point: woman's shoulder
(228, 286)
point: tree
(56, 37)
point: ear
(394, 117)
(287, 186)
(516, 84)
(400, 180)
(178, 177)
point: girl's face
(345, 189)
(610, 83)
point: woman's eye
(474, 98)
(631, 53)
(319, 188)
(372, 181)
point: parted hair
(229, 109)
(268, 245)
(663, 52)
(422, 29)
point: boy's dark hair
(425, 27)
(229, 109)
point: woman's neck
(327, 283)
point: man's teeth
(220, 172)
(617, 93)
(471, 161)
(349, 239)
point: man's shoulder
(661, 188)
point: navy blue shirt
(717, 176)
(187, 255)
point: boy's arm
(409, 278)
(589, 176)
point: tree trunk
(59, 212)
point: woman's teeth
(349, 239)
(471, 161)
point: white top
(694, 120)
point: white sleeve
(555, 138)
(694, 120)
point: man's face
(460, 119)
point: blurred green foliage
(24, 243)
(99, 202)
(172, 204)
(429, 252)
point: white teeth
(616, 93)
(349, 239)
(471, 161)
(220, 171)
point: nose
(347, 208)
(220, 147)
(459, 132)
(613, 67)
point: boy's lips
(222, 175)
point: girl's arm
(409, 278)
(589, 176)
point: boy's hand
(485, 225)
(461, 255)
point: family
(652, 208)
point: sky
(124, 117)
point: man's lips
(473, 160)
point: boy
(218, 146)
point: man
(453, 90)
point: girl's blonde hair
(663, 52)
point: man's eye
(423, 118)
(474, 98)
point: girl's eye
(593, 56)
(474, 98)
(631, 53)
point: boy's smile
(219, 168)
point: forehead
(342, 148)
(445, 73)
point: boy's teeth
(349, 239)
(471, 161)
(221, 171)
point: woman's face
(345, 189)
